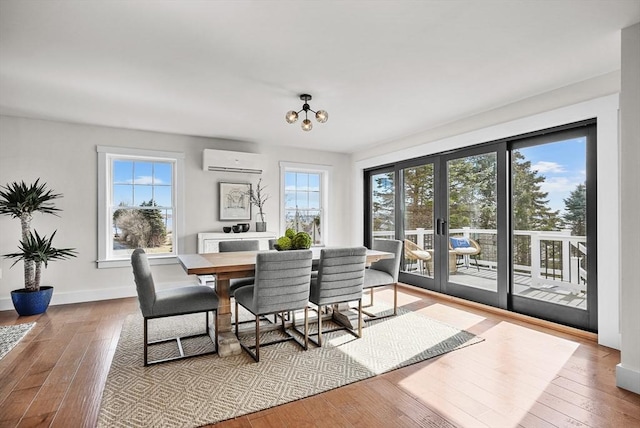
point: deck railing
(550, 258)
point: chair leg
(146, 342)
(360, 317)
(306, 328)
(395, 299)
(237, 318)
(319, 327)
(257, 339)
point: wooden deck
(487, 279)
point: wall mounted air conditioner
(228, 161)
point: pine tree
(157, 230)
(576, 210)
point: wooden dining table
(239, 264)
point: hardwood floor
(523, 374)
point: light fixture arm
(292, 116)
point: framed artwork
(234, 201)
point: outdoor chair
(169, 303)
(340, 280)
(466, 248)
(415, 253)
(384, 272)
(282, 281)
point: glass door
(509, 223)
(472, 243)
(418, 219)
(553, 204)
(382, 205)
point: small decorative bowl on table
(226, 229)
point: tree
(141, 227)
(157, 229)
(530, 207)
(576, 210)
(383, 203)
(418, 196)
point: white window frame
(325, 172)
(106, 156)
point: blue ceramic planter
(31, 302)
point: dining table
(239, 264)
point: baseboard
(627, 379)
(513, 315)
(80, 296)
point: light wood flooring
(523, 374)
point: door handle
(438, 226)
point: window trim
(105, 154)
(325, 172)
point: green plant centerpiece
(292, 240)
(21, 200)
(258, 198)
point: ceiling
(383, 70)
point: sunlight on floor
(397, 341)
(459, 385)
(456, 317)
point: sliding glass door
(509, 223)
(472, 211)
(553, 210)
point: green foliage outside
(576, 210)
(472, 200)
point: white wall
(628, 371)
(64, 155)
(499, 125)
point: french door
(509, 223)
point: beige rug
(209, 389)
(10, 335)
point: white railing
(565, 269)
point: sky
(563, 164)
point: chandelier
(321, 115)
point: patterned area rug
(209, 389)
(10, 335)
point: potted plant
(20, 200)
(257, 198)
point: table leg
(228, 343)
(346, 316)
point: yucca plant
(21, 200)
(39, 250)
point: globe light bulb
(322, 116)
(307, 125)
(291, 116)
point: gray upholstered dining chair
(243, 245)
(340, 280)
(384, 272)
(281, 285)
(169, 303)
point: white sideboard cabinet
(208, 241)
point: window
(138, 204)
(304, 201)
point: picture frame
(234, 201)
